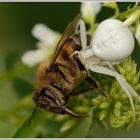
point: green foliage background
(17, 80)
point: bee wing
(68, 32)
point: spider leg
(121, 80)
(83, 34)
(125, 88)
(131, 90)
(80, 92)
(85, 52)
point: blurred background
(17, 80)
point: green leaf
(24, 131)
(6, 129)
(112, 5)
(10, 59)
(22, 87)
(80, 129)
(123, 15)
(9, 75)
(51, 128)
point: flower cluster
(116, 109)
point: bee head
(49, 100)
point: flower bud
(67, 125)
(104, 105)
(102, 114)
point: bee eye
(48, 94)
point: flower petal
(45, 35)
(34, 57)
(137, 35)
(96, 7)
(89, 10)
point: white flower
(137, 34)
(47, 41)
(89, 10)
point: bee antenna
(32, 115)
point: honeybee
(56, 79)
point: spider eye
(48, 94)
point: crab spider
(110, 45)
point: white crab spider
(110, 44)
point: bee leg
(79, 62)
(61, 73)
(94, 84)
(80, 92)
(61, 64)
